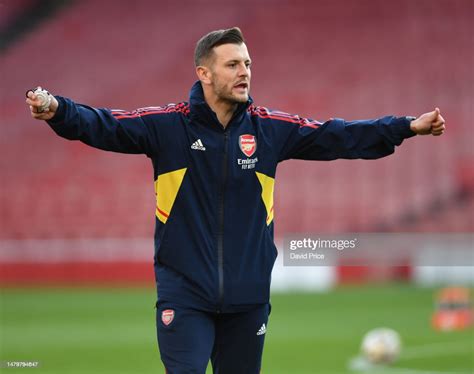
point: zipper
(220, 233)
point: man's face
(230, 73)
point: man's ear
(204, 74)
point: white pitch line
(361, 364)
(429, 350)
(419, 371)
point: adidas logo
(262, 330)
(198, 146)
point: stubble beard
(227, 96)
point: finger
(433, 115)
(438, 124)
(36, 109)
(440, 128)
(437, 132)
(34, 103)
(438, 121)
(41, 115)
(31, 92)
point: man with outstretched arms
(212, 156)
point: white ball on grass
(381, 346)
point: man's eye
(232, 65)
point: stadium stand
(10, 12)
(320, 59)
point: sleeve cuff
(404, 127)
(59, 116)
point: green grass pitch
(101, 330)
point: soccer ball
(381, 346)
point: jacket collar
(203, 113)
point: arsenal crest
(248, 144)
(167, 316)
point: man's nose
(243, 71)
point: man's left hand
(429, 123)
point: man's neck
(223, 109)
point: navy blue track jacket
(214, 246)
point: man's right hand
(35, 105)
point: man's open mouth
(241, 85)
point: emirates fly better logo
(248, 144)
